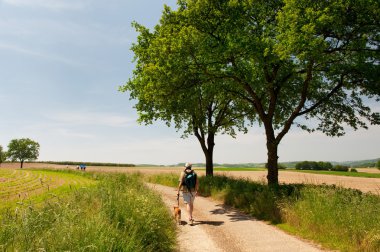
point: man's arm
(180, 183)
(196, 185)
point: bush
(311, 165)
(281, 166)
(342, 168)
(353, 170)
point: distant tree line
(87, 163)
(320, 166)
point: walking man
(188, 181)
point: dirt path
(218, 228)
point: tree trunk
(208, 150)
(209, 154)
(22, 163)
(272, 163)
(209, 163)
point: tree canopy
(23, 149)
(166, 91)
(311, 64)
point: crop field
(17, 184)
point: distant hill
(360, 163)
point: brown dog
(177, 214)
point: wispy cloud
(34, 53)
(91, 118)
(48, 4)
(67, 133)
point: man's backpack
(190, 179)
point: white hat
(188, 165)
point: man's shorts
(187, 197)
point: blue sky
(61, 62)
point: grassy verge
(339, 173)
(118, 213)
(343, 219)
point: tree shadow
(211, 223)
(232, 213)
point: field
(20, 185)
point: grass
(115, 213)
(339, 173)
(22, 185)
(337, 218)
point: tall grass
(117, 214)
(344, 219)
(338, 218)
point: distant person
(188, 181)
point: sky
(61, 63)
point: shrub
(311, 165)
(281, 166)
(342, 168)
(353, 170)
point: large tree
(166, 91)
(23, 149)
(311, 64)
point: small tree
(378, 164)
(23, 149)
(3, 155)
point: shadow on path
(233, 214)
(211, 223)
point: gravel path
(218, 228)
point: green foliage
(312, 64)
(342, 168)
(353, 170)
(166, 87)
(23, 149)
(378, 164)
(118, 214)
(312, 165)
(3, 155)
